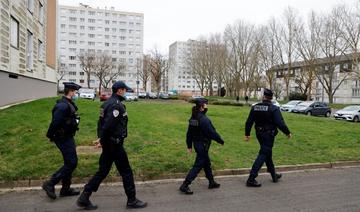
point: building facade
(28, 50)
(115, 33)
(180, 77)
(345, 77)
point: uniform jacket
(64, 121)
(113, 119)
(201, 130)
(267, 117)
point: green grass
(156, 142)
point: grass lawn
(156, 142)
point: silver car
(290, 105)
(349, 113)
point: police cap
(71, 85)
(268, 92)
(201, 101)
(120, 84)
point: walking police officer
(267, 118)
(200, 133)
(64, 124)
(112, 130)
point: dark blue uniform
(200, 133)
(62, 130)
(267, 118)
(112, 130)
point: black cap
(268, 92)
(120, 84)
(71, 85)
(201, 101)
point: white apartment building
(28, 50)
(116, 33)
(180, 77)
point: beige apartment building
(28, 50)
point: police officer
(267, 118)
(112, 131)
(200, 133)
(62, 129)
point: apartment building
(180, 77)
(115, 33)
(28, 50)
(346, 78)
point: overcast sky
(167, 21)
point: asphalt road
(316, 190)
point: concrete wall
(23, 88)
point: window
(91, 35)
(30, 5)
(82, 73)
(91, 28)
(113, 59)
(107, 22)
(72, 26)
(107, 44)
(107, 29)
(40, 50)
(72, 49)
(14, 25)
(114, 22)
(122, 37)
(113, 51)
(72, 41)
(90, 20)
(81, 81)
(72, 73)
(62, 26)
(91, 43)
(29, 49)
(72, 80)
(82, 19)
(72, 57)
(91, 13)
(82, 27)
(72, 34)
(41, 13)
(73, 19)
(122, 22)
(73, 11)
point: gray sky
(167, 21)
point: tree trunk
(88, 79)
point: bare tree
(350, 32)
(87, 63)
(332, 47)
(61, 72)
(307, 47)
(198, 62)
(286, 45)
(113, 73)
(144, 70)
(159, 65)
(269, 56)
(103, 65)
(220, 60)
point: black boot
(184, 188)
(84, 202)
(50, 189)
(275, 177)
(136, 203)
(213, 184)
(64, 192)
(251, 182)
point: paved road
(320, 190)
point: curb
(30, 184)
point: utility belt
(62, 133)
(116, 140)
(266, 130)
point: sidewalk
(336, 189)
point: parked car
(313, 108)
(349, 113)
(142, 95)
(273, 101)
(290, 105)
(131, 97)
(105, 96)
(163, 96)
(87, 93)
(151, 95)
